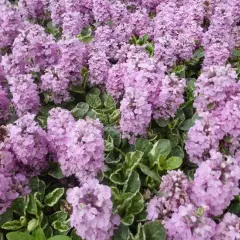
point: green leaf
(31, 205)
(211, 106)
(114, 133)
(159, 152)
(53, 197)
(180, 70)
(133, 183)
(122, 233)
(60, 237)
(149, 172)
(173, 163)
(61, 226)
(48, 231)
(93, 100)
(56, 171)
(32, 224)
(143, 145)
(108, 144)
(154, 231)
(117, 177)
(12, 225)
(115, 116)
(19, 236)
(39, 234)
(102, 117)
(137, 204)
(108, 101)
(44, 222)
(178, 152)
(128, 220)
(6, 216)
(60, 216)
(236, 52)
(80, 110)
(235, 208)
(74, 235)
(162, 122)
(132, 159)
(18, 206)
(37, 185)
(186, 125)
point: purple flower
(173, 193)
(25, 94)
(228, 228)
(216, 182)
(29, 145)
(189, 224)
(92, 211)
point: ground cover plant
(119, 119)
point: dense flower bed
(119, 119)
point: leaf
(143, 145)
(32, 224)
(236, 52)
(211, 106)
(18, 206)
(117, 177)
(12, 225)
(102, 117)
(80, 110)
(108, 101)
(186, 125)
(162, 122)
(133, 183)
(56, 171)
(39, 234)
(108, 144)
(60, 237)
(60, 216)
(19, 236)
(132, 159)
(149, 172)
(154, 231)
(61, 226)
(53, 197)
(114, 133)
(31, 205)
(178, 152)
(6, 216)
(93, 100)
(173, 163)
(180, 70)
(37, 185)
(137, 204)
(122, 233)
(115, 116)
(235, 208)
(128, 220)
(160, 150)
(74, 235)
(48, 231)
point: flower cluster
(229, 228)
(216, 182)
(173, 193)
(92, 211)
(78, 145)
(219, 111)
(188, 223)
